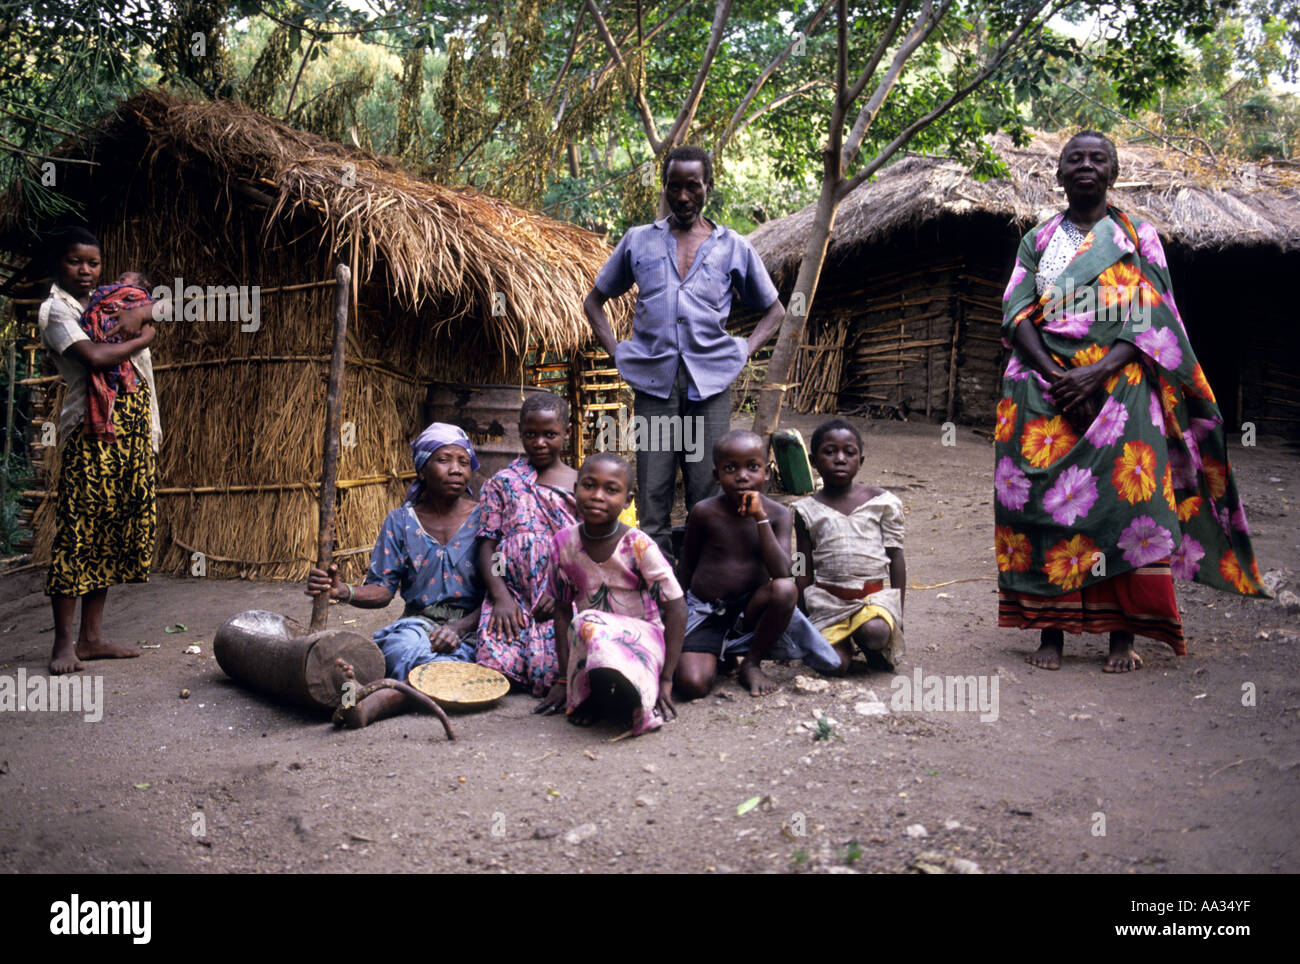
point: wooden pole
(9, 427)
(330, 461)
(952, 362)
(929, 364)
(575, 400)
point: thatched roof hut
(910, 296)
(449, 286)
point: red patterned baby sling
(103, 387)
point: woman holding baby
(108, 436)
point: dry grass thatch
(450, 286)
(1192, 201)
(458, 249)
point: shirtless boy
(736, 561)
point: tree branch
(734, 125)
(568, 60)
(32, 120)
(301, 67)
(925, 25)
(559, 112)
(647, 118)
(597, 77)
(832, 167)
(774, 103)
(1124, 117)
(878, 54)
(994, 64)
(10, 145)
(640, 48)
(668, 18)
(354, 31)
(687, 114)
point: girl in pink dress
(522, 507)
(615, 589)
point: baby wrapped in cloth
(98, 322)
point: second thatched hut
(906, 318)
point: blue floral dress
(439, 583)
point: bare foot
(64, 659)
(1123, 658)
(877, 662)
(103, 649)
(1047, 656)
(369, 709)
(350, 712)
(753, 677)
(597, 704)
(586, 713)
(383, 698)
(845, 654)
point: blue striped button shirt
(684, 319)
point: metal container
(488, 414)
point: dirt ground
(1159, 771)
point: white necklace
(586, 532)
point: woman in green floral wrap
(1112, 472)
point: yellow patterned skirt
(105, 511)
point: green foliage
(853, 852)
(19, 467)
(61, 65)
(1225, 103)
(825, 730)
(267, 75)
(523, 99)
(332, 112)
(1140, 53)
(190, 47)
(64, 63)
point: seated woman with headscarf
(425, 552)
(1112, 471)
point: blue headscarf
(429, 441)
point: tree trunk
(772, 394)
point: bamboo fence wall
(912, 335)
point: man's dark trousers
(656, 472)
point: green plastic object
(793, 470)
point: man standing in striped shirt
(680, 361)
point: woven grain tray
(459, 685)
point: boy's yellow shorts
(847, 627)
